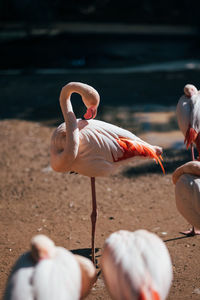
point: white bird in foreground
(188, 115)
(91, 147)
(136, 266)
(50, 273)
(187, 193)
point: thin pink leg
(93, 216)
(192, 151)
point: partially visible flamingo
(136, 266)
(188, 115)
(90, 147)
(187, 193)
(50, 272)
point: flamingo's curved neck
(62, 159)
(72, 132)
(89, 95)
(65, 101)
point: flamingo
(136, 266)
(187, 193)
(188, 115)
(90, 147)
(50, 272)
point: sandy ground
(35, 199)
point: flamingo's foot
(191, 232)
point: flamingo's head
(89, 96)
(91, 101)
(90, 113)
(190, 90)
(42, 247)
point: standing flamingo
(90, 147)
(50, 272)
(187, 193)
(188, 115)
(136, 266)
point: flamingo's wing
(57, 278)
(193, 133)
(141, 263)
(195, 112)
(183, 113)
(188, 116)
(101, 138)
(52, 279)
(138, 148)
(118, 144)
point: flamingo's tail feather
(152, 295)
(135, 148)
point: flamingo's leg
(191, 232)
(192, 151)
(93, 216)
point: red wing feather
(135, 148)
(190, 136)
(154, 295)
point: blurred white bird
(49, 272)
(91, 147)
(187, 193)
(136, 266)
(188, 115)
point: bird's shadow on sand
(172, 159)
(86, 252)
(179, 238)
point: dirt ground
(35, 199)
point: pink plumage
(188, 115)
(93, 148)
(136, 266)
(49, 272)
(101, 148)
(187, 193)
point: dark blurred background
(137, 54)
(179, 12)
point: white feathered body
(187, 191)
(99, 152)
(183, 111)
(134, 263)
(52, 279)
(188, 116)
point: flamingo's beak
(91, 113)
